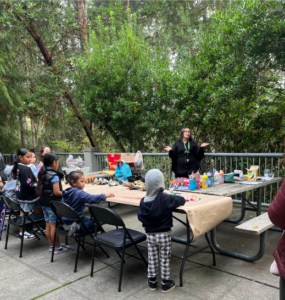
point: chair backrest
(10, 203)
(64, 210)
(105, 215)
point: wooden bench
(256, 225)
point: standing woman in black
(185, 154)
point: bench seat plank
(255, 225)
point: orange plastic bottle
(222, 178)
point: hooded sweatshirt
(155, 210)
(76, 198)
(10, 186)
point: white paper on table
(265, 178)
(250, 182)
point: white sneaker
(27, 236)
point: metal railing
(228, 162)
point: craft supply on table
(204, 181)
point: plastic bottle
(210, 179)
(198, 180)
(216, 177)
(205, 181)
(222, 179)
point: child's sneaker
(167, 287)
(74, 227)
(152, 285)
(61, 245)
(60, 250)
(27, 236)
(274, 269)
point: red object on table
(113, 160)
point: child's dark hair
(74, 176)
(21, 152)
(48, 160)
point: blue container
(192, 184)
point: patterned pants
(159, 249)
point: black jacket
(47, 193)
(180, 166)
(28, 182)
(156, 215)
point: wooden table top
(202, 215)
(230, 189)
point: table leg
(242, 214)
(239, 255)
(188, 242)
(258, 206)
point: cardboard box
(129, 158)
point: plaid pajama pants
(159, 250)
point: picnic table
(201, 216)
(231, 189)
(240, 187)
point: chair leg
(53, 247)
(107, 255)
(22, 242)
(92, 264)
(77, 253)
(141, 255)
(7, 235)
(121, 269)
(66, 240)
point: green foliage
(126, 86)
(235, 90)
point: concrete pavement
(34, 277)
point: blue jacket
(156, 215)
(76, 198)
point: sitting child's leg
(153, 257)
(165, 256)
(88, 223)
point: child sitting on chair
(76, 198)
(155, 213)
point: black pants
(282, 288)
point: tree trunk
(32, 29)
(23, 127)
(82, 19)
(127, 4)
(33, 129)
(116, 138)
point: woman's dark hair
(182, 131)
(21, 152)
(41, 154)
(49, 158)
(74, 176)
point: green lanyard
(187, 151)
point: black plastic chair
(64, 210)
(118, 239)
(26, 222)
